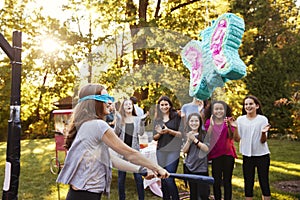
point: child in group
(167, 126)
(129, 126)
(196, 148)
(251, 131)
(222, 151)
(88, 165)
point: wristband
(197, 142)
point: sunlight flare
(49, 45)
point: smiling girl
(222, 151)
(169, 139)
(196, 148)
(129, 126)
(251, 132)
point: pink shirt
(220, 143)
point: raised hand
(263, 137)
(191, 136)
(212, 120)
(230, 121)
(266, 128)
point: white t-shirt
(250, 132)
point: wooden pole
(12, 166)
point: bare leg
(266, 197)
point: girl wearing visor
(88, 164)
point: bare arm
(132, 155)
(236, 135)
(186, 146)
(144, 116)
(263, 137)
(201, 145)
(232, 123)
(172, 132)
(230, 132)
(211, 124)
(158, 134)
(121, 164)
(229, 127)
(161, 131)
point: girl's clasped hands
(162, 129)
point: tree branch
(182, 5)
(157, 9)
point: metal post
(12, 167)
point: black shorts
(82, 194)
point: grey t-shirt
(196, 160)
(87, 165)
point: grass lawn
(37, 183)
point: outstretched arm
(132, 155)
(122, 164)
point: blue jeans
(139, 185)
(169, 161)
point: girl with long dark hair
(196, 148)
(169, 139)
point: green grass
(37, 183)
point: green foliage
(135, 49)
(276, 76)
(261, 84)
(5, 87)
(46, 76)
(269, 48)
(232, 93)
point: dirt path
(289, 186)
